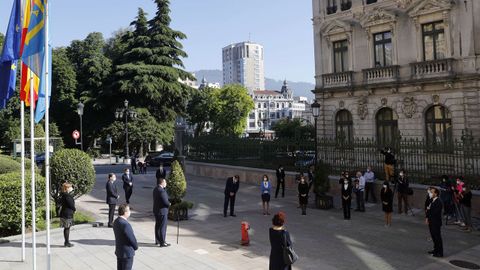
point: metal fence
(424, 163)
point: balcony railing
(381, 74)
(432, 69)
(340, 79)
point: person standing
(311, 176)
(434, 222)
(402, 191)
(133, 163)
(112, 197)
(67, 212)
(231, 189)
(279, 236)
(266, 188)
(389, 163)
(280, 172)
(160, 210)
(127, 185)
(303, 195)
(161, 172)
(346, 198)
(466, 206)
(125, 241)
(386, 195)
(359, 191)
(370, 184)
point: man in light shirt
(359, 188)
(369, 184)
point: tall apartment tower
(243, 64)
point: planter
(324, 202)
(178, 214)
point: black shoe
(431, 252)
(68, 244)
(233, 215)
(110, 226)
(437, 255)
(165, 245)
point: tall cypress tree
(149, 71)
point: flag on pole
(42, 93)
(10, 54)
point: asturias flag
(10, 54)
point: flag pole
(22, 143)
(32, 171)
(47, 137)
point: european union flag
(8, 72)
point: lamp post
(125, 113)
(316, 113)
(80, 107)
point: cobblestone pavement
(209, 241)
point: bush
(177, 185)
(322, 182)
(7, 165)
(75, 167)
(11, 201)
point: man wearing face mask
(127, 184)
(346, 198)
(370, 184)
(161, 172)
(434, 222)
(389, 163)
(231, 189)
(112, 197)
(402, 188)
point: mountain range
(299, 88)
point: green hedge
(7, 165)
(73, 166)
(11, 199)
(176, 184)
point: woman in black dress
(278, 235)
(303, 194)
(346, 197)
(66, 213)
(386, 196)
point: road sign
(76, 134)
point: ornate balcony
(433, 69)
(381, 74)
(340, 79)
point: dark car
(151, 155)
(40, 159)
(166, 158)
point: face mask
(464, 189)
(430, 195)
(458, 182)
(368, 170)
(345, 182)
(401, 174)
(388, 151)
(384, 186)
(264, 179)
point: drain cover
(228, 248)
(465, 264)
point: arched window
(387, 127)
(438, 123)
(344, 126)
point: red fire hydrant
(245, 239)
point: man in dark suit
(231, 188)
(280, 172)
(112, 197)
(161, 172)
(127, 184)
(160, 210)
(125, 241)
(434, 221)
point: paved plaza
(209, 241)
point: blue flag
(34, 46)
(8, 78)
(42, 93)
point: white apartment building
(271, 106)
(243, 64)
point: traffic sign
(76, 134)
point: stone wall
(254, 176)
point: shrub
(322, 182)
(7, 165)
(11, 201)
(177, 185)
(73, 166)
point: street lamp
(316, 113)
(80, 107)
(125, 113)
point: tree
(293, 129)
(200, 109)
(177, 185)
(232, 104)
(72, 166)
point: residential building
(243, 64)
(390, 69)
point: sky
(283, 27)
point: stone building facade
(389, 69)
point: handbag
(289, 255)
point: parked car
(40, 159)
(305, 160)
(166, 158)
